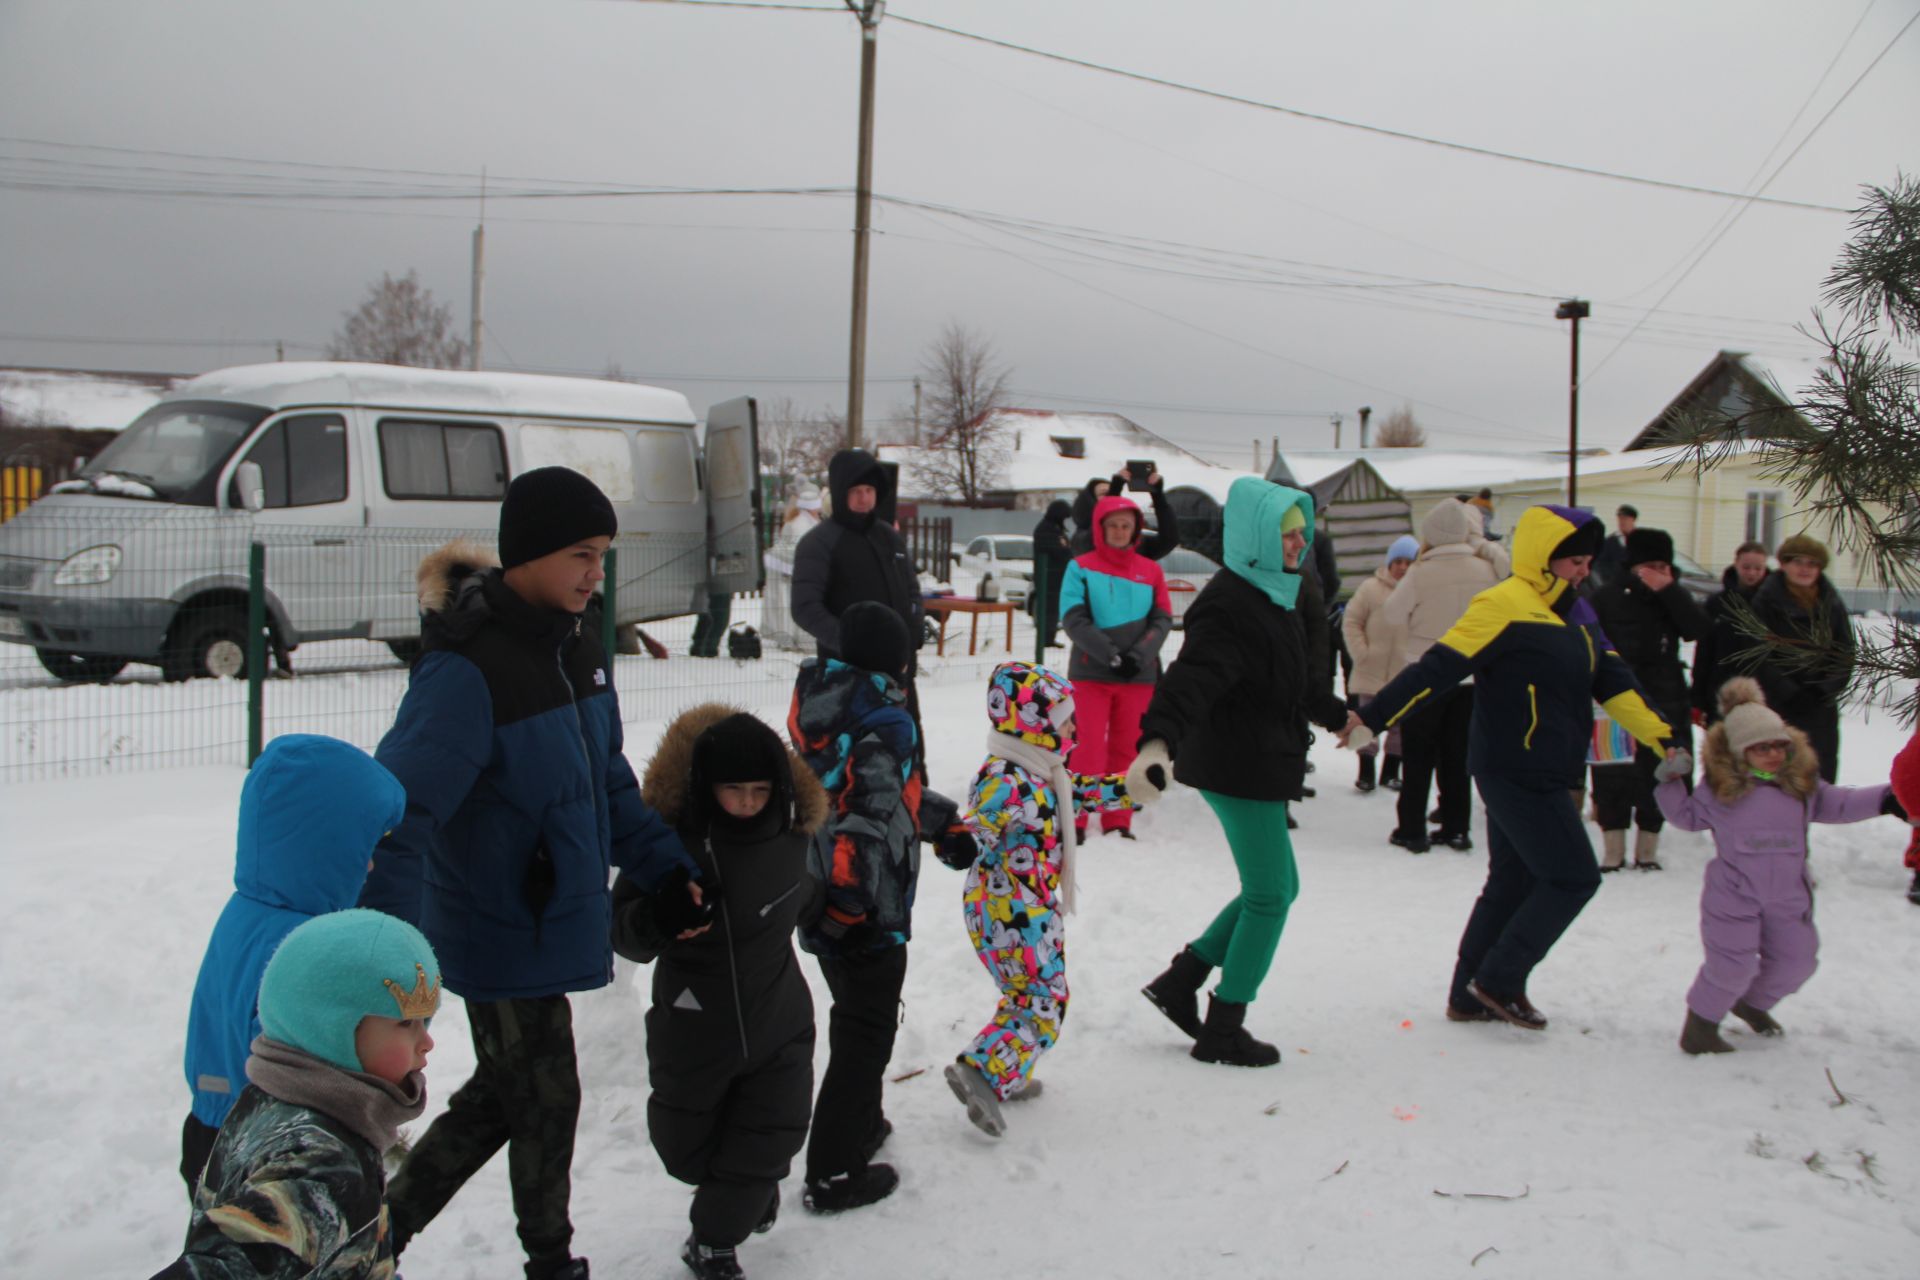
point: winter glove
(1359, 737)
(1892, 807)
(937, 814)
(674, 910)
(1125, 666)
(856, 946)
(957, 847)
(1149, 774)
(1675, 764)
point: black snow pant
(734, 1136)
(524, 1095)
(860, 1032)
(1821, 724)
(1540, 873)
(196, 1144)
(710, 628)
(1433, 743)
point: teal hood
(1252, 539)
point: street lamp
(1576, 310)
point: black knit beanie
(873, 637)
(550, 508)
(1645, 545)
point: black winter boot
(1759, 1019)
(1390, 773)
(1365, 780)
(854, 1190)
(1225, 1038)
(1701, 1036)
(711, 1262)
(1176, 992)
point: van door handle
(329, 542)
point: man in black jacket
(1166, 526)
(1051, 549)
(1646, 613)
(853, 555)
(1712, 665)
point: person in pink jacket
(1761, 791)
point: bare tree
(796, 446)
(399, 323)
(1398, 430)
(965, 383)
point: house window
(1070, 446)
(1763, 516)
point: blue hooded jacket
(310, 813)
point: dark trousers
(1433, 743)
(735, 1137)
(1047, 621)
(525, 1096)
(860, 1031)
(196, 1144)
(1540, 873)
(710, 628)
(1822, 727)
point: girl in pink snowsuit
(1761, 789)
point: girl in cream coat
(1375, 645)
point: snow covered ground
(1372, 1151)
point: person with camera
(1140, 476)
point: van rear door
(733, 496)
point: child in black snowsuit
(730, 1031)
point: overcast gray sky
(182, 184)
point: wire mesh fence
(125, 638)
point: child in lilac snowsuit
(1761, 788)
(1018, 848)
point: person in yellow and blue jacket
(1539, 661)
(1018, 848)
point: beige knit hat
(1748, 718)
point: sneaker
(1461, 841)
(711, 1262)
(983, 1108)
(767, 1219)
(1412, 844)
(1514, 1008)
(851, 1190)
(1478, 1013)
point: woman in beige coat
(1376, 645)
(1456, 564)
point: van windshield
(172, 453)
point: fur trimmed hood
(1730, 779)
(669, 773)
(440, 574)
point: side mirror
(252, 484)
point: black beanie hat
(550, 508)
(1644, 545)
(1585, 540)
(873, 637)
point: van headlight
(87, 568)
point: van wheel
(208, 643)
(405, 650)
(81, 668)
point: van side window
(666, 465)
(457, 460)
(303, 461)
(601, 454)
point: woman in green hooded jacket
(1230, 717)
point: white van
(347, 474)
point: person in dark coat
(853, 555)
(1052, 547)
(1612, 560)
(1166, 525)
(1802, 610)
(1230, 718)
(1712, 667)
(1539, 662)
(730, 1030)
(519, 805)
(1646, 614)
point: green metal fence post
(256, 649)
(1039, 590)
(609, 593)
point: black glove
(856, 945)
(937, 813)
(1125, 665)
(1892, 807)
(957, 847)
(674, 910)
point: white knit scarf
(1050, 765)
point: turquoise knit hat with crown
(341, 967)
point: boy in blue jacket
(310, 813)
(519, 805)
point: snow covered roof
(293, 383)
(44, 397)
(1734, 382)
(1462, 470)
(1036, 461)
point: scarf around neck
(1050, 765)
(366, 1104)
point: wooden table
(944, 607)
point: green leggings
(1242, 938)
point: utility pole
(1576, 310)
(916, 410)
(479, 277)
(1366, 411)
(869, 12)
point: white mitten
(1675, 764)
(1359, 737)
(1150, 773)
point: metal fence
(127, 639)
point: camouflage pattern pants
(525, 1096)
